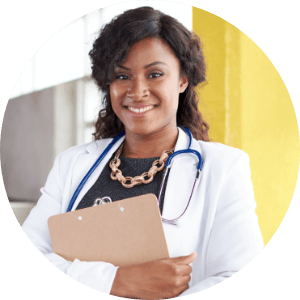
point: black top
(105, 186)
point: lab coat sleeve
(235, 237)
(97, 275)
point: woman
(148, 65)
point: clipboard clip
(103, 200)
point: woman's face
(145, 91)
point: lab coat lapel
(181, 180)
(85, 162)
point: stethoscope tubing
(168, 165)
(174, 221)
(200, 159)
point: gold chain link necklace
(129, 182)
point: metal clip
(103, 200)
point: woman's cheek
(113, 91)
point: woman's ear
(183, 83)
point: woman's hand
(159, 279)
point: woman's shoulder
(222, 156)
(72, 153)
(75, 151)
(89, 147)
(218, 149)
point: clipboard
(122, 233)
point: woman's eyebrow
(122, 67)
(147, 66)
(154, 63)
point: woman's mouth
(140, 110)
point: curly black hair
(111, 49)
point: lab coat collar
(98, 146)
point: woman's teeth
(140, 110)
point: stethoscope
(167, 170)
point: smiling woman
(144, 96)
(175, 53)
(148, 65)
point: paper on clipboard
(124, 232)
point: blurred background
(54, 104)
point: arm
(235, 238)
(97, 275)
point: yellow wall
(248, 106)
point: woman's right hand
(159, 279)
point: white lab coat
(220, 223)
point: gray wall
(27, 144)
(36, 128)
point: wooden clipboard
(124, 232)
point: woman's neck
(151, 145)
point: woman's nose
(137, 89)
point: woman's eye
(122, 77)
(156, 75)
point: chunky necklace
(145, 178)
